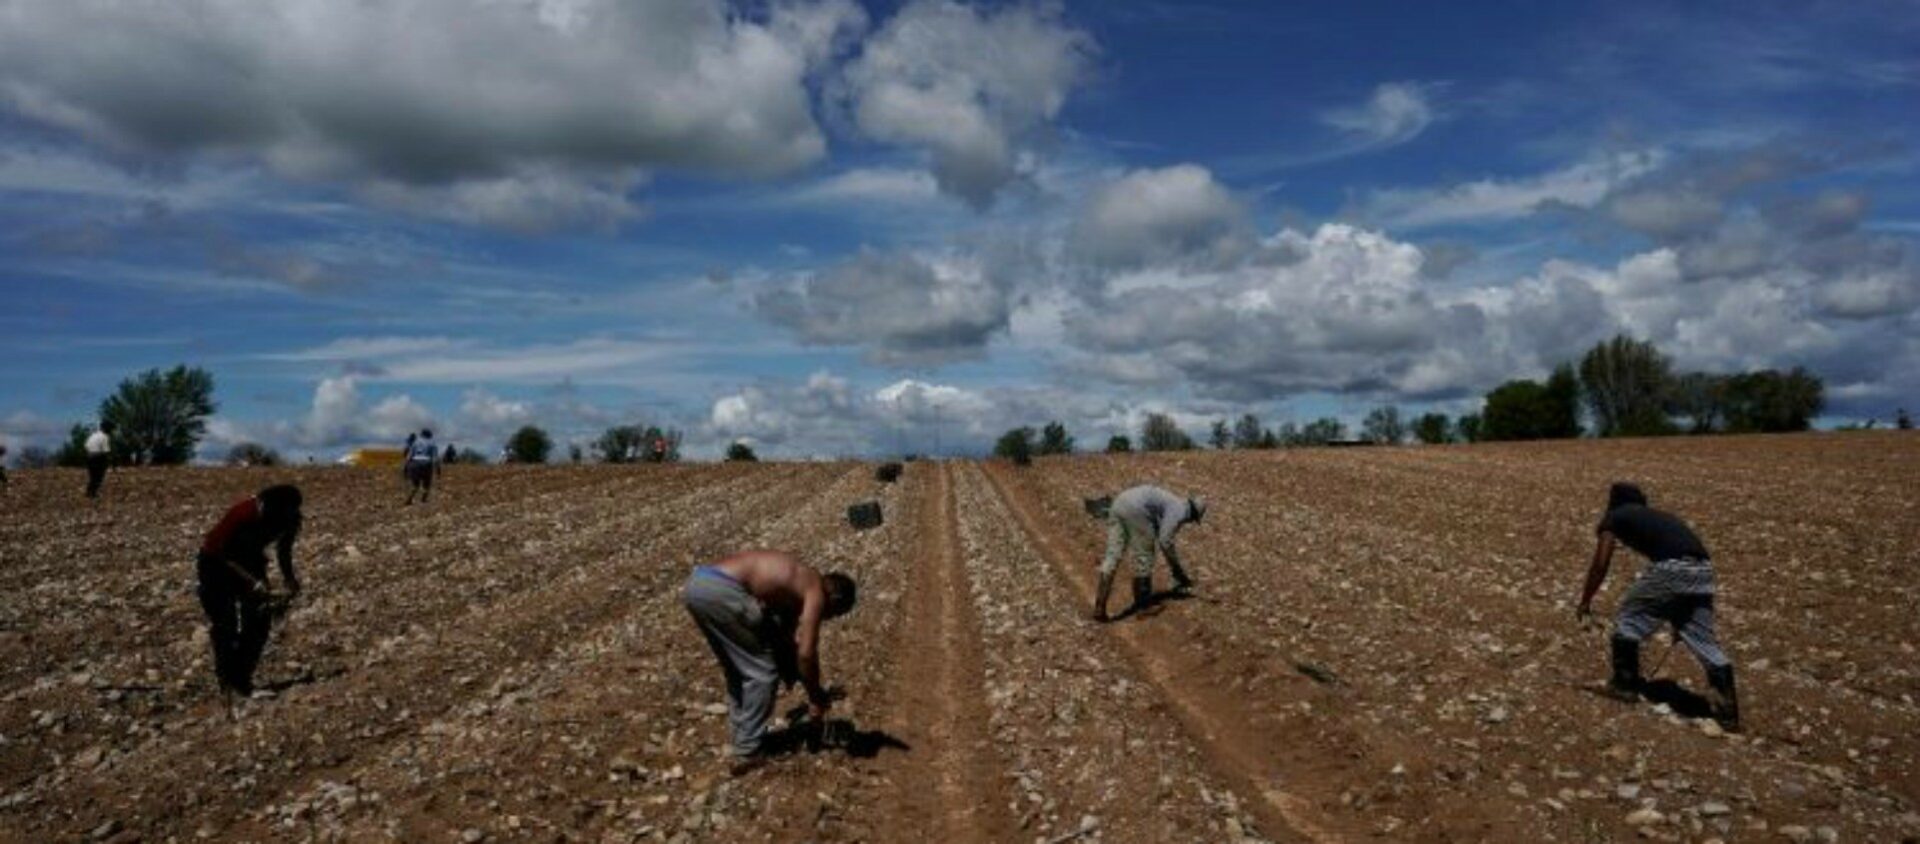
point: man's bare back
(774, 578)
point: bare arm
(284, 552)
(806, 641)
(1596, 572)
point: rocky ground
(1382, 647)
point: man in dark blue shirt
(1675, 588)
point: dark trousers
(96, 474)
(238, 623)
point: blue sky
(831, 228)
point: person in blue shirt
(422, 461)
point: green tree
(1519, 410)
(1290, 435)
(73, 452)
(1161, 433)
(740, 452)
(1383, 426)
(252, 454)
(529, 445)
(1627, 382)
(1119, 444)
(1321, 431)
(159, 417)
(470, 457)
(1220, 435)
(1432, 428)
(1902, 420)
(1563, 403)
(620, 444)
(1701, 398)
(1247, 432)
(1015, 445)
(661, 445)
(1471, 428)
(1054, 439)
(1771, 401)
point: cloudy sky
(828, 227)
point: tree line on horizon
(1626, 388)
(1620, 387)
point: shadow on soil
(1155, 603)
(1684, 703)
(837, 735)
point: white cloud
(1396, 113)
(903, 309)
(967, 84)
(1580, 185)
(1156, 216)
(442, 360)
(523, 114)
(865, 186)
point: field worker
(1141, 519)
(99, 456)
(233, 579)
(1676, 588)
(422, 461)
(761, 613)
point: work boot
(1142, 593)
(1100, 597)
(1726, 707)
(1625, 684)
(1181, 582)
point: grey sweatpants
(735, 627)
(1124, 536)
(1676, 592)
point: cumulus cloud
(524, 114)
(902, 309)
(1350, 314)
(1156, 216)
(827, 416)
(967, 84)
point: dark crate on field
(887, 473)
(864, 515)
(1098, 507)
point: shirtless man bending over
(761, 614)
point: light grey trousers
(1676, 592)
(735, 627)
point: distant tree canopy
(1119, 444)
(1471, 428)
(529, 445)
(1161, 433)
(1247, 432)
(1383, 426)
(252, 454)
(35, 457)
(1529, 410)
(1903, 420)
(159, 417)
(73, 452)
(740, 452)
(1433, 429)
(1220, 435)
(620, 444)
(1015, 445)
(468, 456)
(1771, 401)
(638, 444)
(1054, 439)
(1320, 431)
(1627, 384)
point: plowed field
(1382, 646)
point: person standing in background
(99, 457)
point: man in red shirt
(233, 579)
